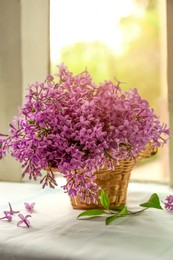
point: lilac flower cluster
(76, 127)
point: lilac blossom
(24, 220)
(169, 203)
(74, 126)
(7, 216)
(29, 207)
(8, 213)
(11, 211)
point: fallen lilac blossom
(24, 220)
(7, 216)
(169, 203)
(11, 211)
(29, 207)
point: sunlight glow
(92, 20)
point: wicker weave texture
(114, 182)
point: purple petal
(19, 223)
(21, 216)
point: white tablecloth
(55, 233)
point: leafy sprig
(120, 211)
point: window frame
(169, 57)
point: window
(24, 51)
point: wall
(24, 58)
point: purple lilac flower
(29, 207)
(11, 211)
(24, 220)
(169, 203)
(7, 216)
(76, 127)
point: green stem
(136, 212)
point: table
(55, 233)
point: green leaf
(91, 212)
(153, 202)
(123, 212)
(111, 219)
(104, 200)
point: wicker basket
(114, 182)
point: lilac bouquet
(75, 127)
